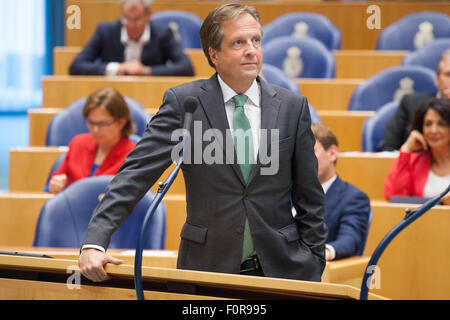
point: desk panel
(30, 166)
(60, 91)
(366, 170)
(415, 265)
(359, 64)
(20, 212)
(166, 280)
(346, 125)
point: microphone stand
(409, 218)
(162, 190)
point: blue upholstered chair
(414, 30)
(64, 218)
(276, 76)
(300, 24)
(391, 84)
(70, 122)
(429, 54)
(373, 128)
(184, 25)
(300, 57)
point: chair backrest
(392, 84)
(300, 57)
(58, 162)
(414, 30)
(63, 219)
(70, 122)
(428, 55)
(277, 76)
(373, 128)
(185, 26)
(304, 24)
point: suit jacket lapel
(212, 103)
(119, 48)
(333, 196)
(270, 107)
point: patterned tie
(243, 143)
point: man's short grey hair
(147, 3)
(444, 56)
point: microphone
(190, 104)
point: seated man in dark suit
(347, 209)
(132, 45)
(398, 128)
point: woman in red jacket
(423, 166)
(102, 150)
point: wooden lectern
(25, 277)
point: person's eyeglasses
(101, 124)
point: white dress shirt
(252, 109)
(325, 186)
(133, 49)
(435, 185)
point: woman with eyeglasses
(102, 150)
(423, 166)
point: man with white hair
(132, 45)
(398, 128)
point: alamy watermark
(373, 281)
(74, 280)
(374, 20)
(73, 20)
(213, 152)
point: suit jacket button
(240, 230)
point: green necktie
(243, 143)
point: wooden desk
(350, 18)
(150, 258)
(415, 265)
(161, 283)
(348, 271)
(366, 170)
(358, 64)
(346, 125)
(20, 213)
(328, 94)
(63, 57)
(60, 91)
(39, 119)
(29, 168)
(363, 64)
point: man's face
(134, 18)
(239, 59)
(443, 79)
(326, 160)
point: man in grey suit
(238, 215)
